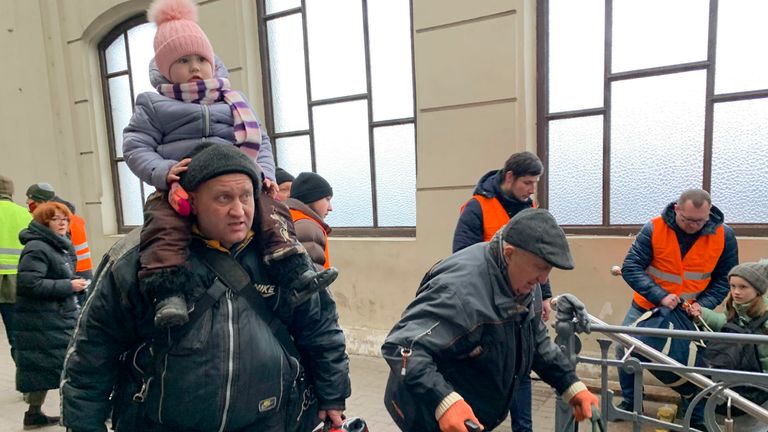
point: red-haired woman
(46, 309)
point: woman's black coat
(46, 308)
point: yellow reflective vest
(13, 219)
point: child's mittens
(179, 199)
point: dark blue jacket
(641, 253)
(469, 228)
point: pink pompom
(161, 11)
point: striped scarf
(206, 92)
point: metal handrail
(568, 327)
(680, 334)
(698, 379)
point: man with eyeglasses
(683, 255)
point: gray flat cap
(536, 231)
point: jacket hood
(38, 231)
(716, 218)
(156, 78)
(489, 186)
(295, 204)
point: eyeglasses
(59, 219)
(691, 221)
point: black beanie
(309, 187)
(212, 160)
(282, 176)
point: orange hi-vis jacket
(80, 243)
(684, 277)
(297, 215)
(494, 215)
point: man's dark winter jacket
(469, 228)
(467, 333)
(640, 256)
(228, 371)
(45, 310)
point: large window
(340, 102)
(641, 99)
(125, 54)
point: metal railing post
(566, 333)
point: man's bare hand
(546, 309)
(694, 310)
(176, 169)
(671, 301)
(78, 284)
(334, 415)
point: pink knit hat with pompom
(178, 34)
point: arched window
(124, 56)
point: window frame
(543, 116)
(263, 19)
(120, 30)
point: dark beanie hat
(282, 176)
(756, 273)
(212, 160)
(41, 192)
(309, 187)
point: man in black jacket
(226, 370)
(473, 332)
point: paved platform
(369, 375)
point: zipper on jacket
(141, 395)
(230, 361)
(406, 352)
(206, 121)
(162, 389)
(162, 381)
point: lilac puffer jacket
(163, 130)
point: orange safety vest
(80, 243)
(494, 215)
(686, 277)
(298, 215)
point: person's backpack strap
(211, 296)
(237, 279)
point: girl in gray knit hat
(745, 302)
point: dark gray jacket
(45, 310)
(228, 370)
(467, 333)
(163, 130)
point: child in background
(195, 105)
(745, 303)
